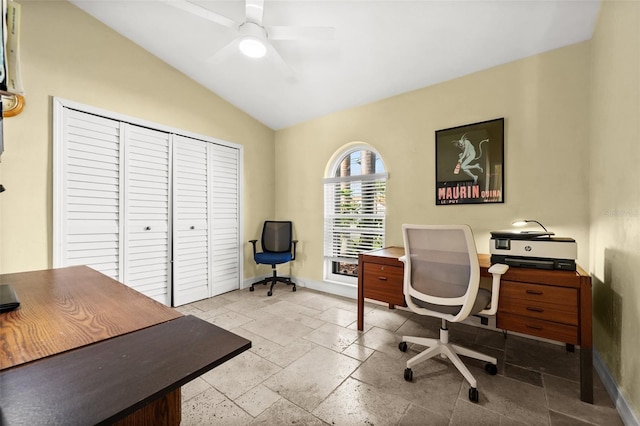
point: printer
(530, 249)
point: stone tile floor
(309, 365)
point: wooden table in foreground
(551, 304)
(85, 349)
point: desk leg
(360, 294)
(166, 410)
(586, 375)
(586, 343)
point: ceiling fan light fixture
(252, 47)
(253, 39)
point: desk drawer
(542, 293)
(557, 304)
(544, 311)
(549, 330)
(384, 283)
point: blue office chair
(277, 247)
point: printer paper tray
(535, 262)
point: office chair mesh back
(276, 237)
(442, 280)
(441, 262)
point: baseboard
(337, 289)
(625, 411)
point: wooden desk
(85, 349)
(551, 304)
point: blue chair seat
(267, 258)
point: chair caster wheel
(473, 395)
(491, 369)
(269, 293)
(402, 346)
(408, 374)
(251, 288)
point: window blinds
(354, 215)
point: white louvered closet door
(87, 203)
(191, 215)
(225, 241)
(147, 257)
(153, 209)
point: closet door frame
(58, 221)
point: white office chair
(442, 279)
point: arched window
(354, 210)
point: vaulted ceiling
(379, 48)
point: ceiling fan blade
(254, 10)
(225, 52)
(274, 56)
(202, 12)
(301, 33)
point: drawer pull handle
(533, 292)
(382, 278)
(534, 327)
(529, 308)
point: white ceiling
(381, 48)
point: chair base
(445, 349)
(273, 280)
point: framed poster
(470, 163)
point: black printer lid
(521, 235)
(530, 236)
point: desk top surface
(394, 252)
(104, 382)
(67, 308)
(578, 278)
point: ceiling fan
(253, 38)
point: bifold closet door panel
(225, 211)
(191, 220)
(147, 227)
(87, 185)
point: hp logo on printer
(527, 248)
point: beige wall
(544, 100)
(615, 197)
(67, 53)
(571, 141)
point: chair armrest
(498, 268)
(253, 242)
(295, 243)
(497, 271)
